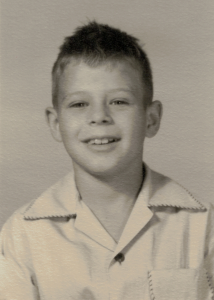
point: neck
(102, 193)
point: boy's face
(101, 117)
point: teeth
(97, 142)
(101, 141)
(104, 141)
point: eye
(78, 104)
(119, 102)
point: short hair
(95, 44)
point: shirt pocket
(180, 284)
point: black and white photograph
(107, 150)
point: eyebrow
(127, 90)
(73, 94)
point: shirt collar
(163, 191)
(60, 200)
(157, 191)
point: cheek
(68, 124)
(138, 134)
(137, 124)
(66, 131)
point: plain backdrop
(179, 38)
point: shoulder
(43, 206)
(165, 191)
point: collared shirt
(56, 249)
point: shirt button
(120, 257)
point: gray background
(178, 36)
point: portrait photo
(107, 150)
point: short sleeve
(16, 280)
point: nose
(100, 115)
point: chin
(99, 168)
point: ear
(154, 113)
(53, 122)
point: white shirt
(56, 249)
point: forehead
(78, 76)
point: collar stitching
(70, 216)
(178, 206)
(202, 206)
(29, 206)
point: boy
(113, 228)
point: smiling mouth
(103, 141)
